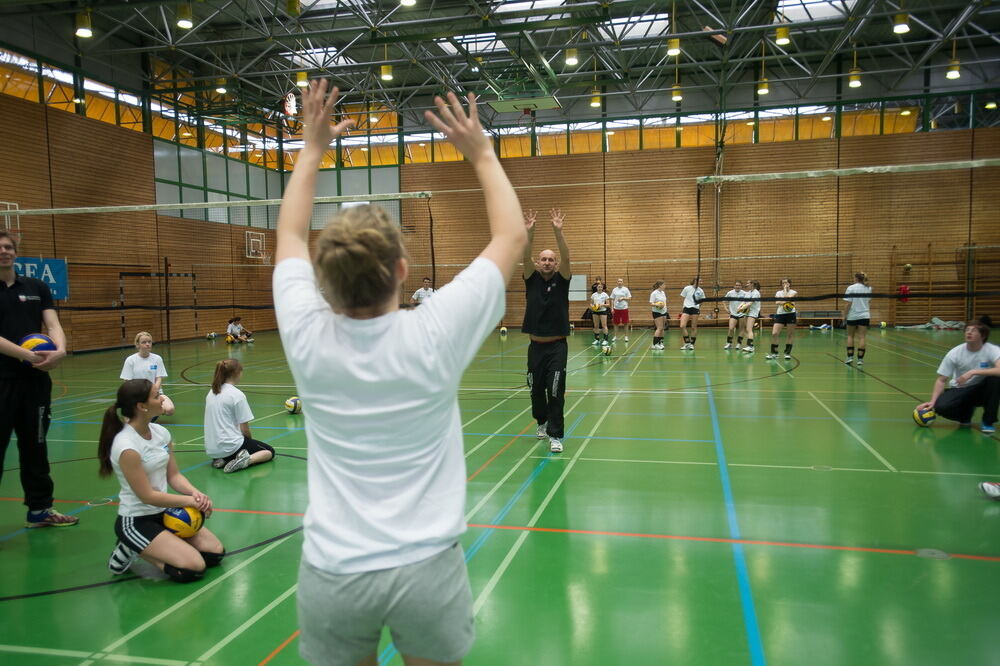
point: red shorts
(619, 317)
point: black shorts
(859, 322)
(601, 312)
(137, 532)
(251, 446)
(657, 315)
(785, 318)
(737, 317)
(692, 311)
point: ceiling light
(595, 98)
(954, 69)
(292, 7)
(83, 27)
(750, 123)
(854, 79)
(571, 57)
(302, 79)
(220, 86)
(762, 87)
(609, 132)
(905, 112)
(407, 3)
(387, 72)
(673, 46)
(781, 35)
(78, 100)
(675, 93)
(373, 119)
(186, 133)
(421, 144)
(365, 150)
(901, 24)
(991, 105)
(185, 16)
(478, 60)
(826, 119)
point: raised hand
(317, 107)
(529, 218)
(557, 218)
(461, 129)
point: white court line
(912, 358)
(246, 625)
(527, 454)
(620, 358)
(495, 578)
(482, 414)
(76, 654)
(191, 597)
(498, 430)
(631, 374)
(854, 434)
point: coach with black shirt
(25, 385)
(546, 321)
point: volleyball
(743, 307)
(660, 304)
(606, 350)
(924, 417)
(788, 306)
(211, 336)
(37, 342)
(595, 307)
(293, 405)
(503, 331)
(881, 324)
(184, 521)
(230, 339)
(907, 267)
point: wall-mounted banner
(50, 271)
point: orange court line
(505, 447)
(281, 647)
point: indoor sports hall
(717, 504)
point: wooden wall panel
(26, 180)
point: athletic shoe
(540, 430)
(660, 346)
(788, 357)
(988, 429)
(218, 463)
(614, 338)
(849, 360)
(991, 489)
(121, 559)
(771, 357)
(749, 349)
(555, 445)
(241, 461)
(860, 362)
(596, 342)
(49, 518)
(690, 346)
(728, 345)
(626, 338)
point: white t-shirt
(600, 298)
(233, 330)
(960, 360)
(859, 306)
(137, 367)
(754, 310)
(618, 294)
(734, 306)
(657, 296)
(386, 466)
(223, 415)
(422, 294)
(692, 295)
(155, 454)
(786, 297)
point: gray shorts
(426, 605)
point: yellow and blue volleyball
(293, 405)
(211, 336)
(230, 339)
(503, 331)
(606, 350)
(595, 307)
(788, 306)
(37, 342)
(184, 521)
(924, 417)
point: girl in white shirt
(858, 317)
(227, 422)
(784, 318)
(661, 320)
(735, 316)
(144, 364)
(752, 310)
(379, 389)
(141, 454)
(692, 295)
(599, 304)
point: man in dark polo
(546, 321)
(25, 386)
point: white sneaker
(788, 357)
(991, 489)
(626, 338)
(749, 349)
(771, 356)
(861, 361)
(849, 360)
(121, 559)
(596, 342)
(728, 345)
(614, 338)
(540, 430)
(241, 461)
(555, 445)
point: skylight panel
(808, 10)
(520, 5)
(486, 42)
(319, 57)
(635, 27)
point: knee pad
(182, 575)
(212, 559)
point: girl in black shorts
(784, 317)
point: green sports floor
(710, 508)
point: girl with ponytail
(141, 454)
(227, 422)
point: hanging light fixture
(991, 106)
(901, 24)
(675, 90)
(782, 35)
(571, 57)
(595, 97)
(954, 66)
(220, 86)
(302, 79)
(185, 17)
(477, 61)
(292, 7)
(83, 27)
(762, 86)
(407, 3)
(674, 43)
(386, 69)
(854, 74)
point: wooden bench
(826, 316)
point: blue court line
(743, 579)
(390, 650)
(86, 507)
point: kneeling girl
(227, 422)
